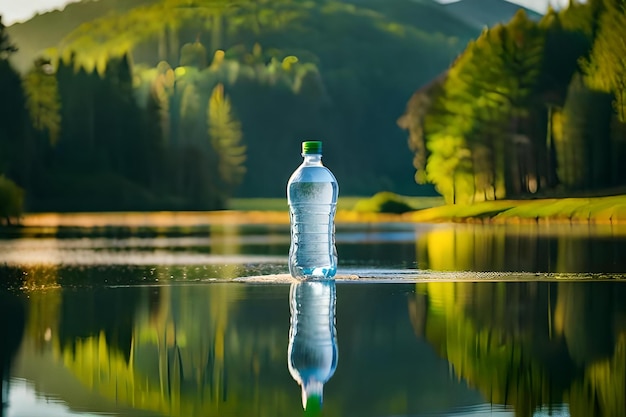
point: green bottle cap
(312, 147)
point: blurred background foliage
(529, 108)
(182, 105)
(178, 104)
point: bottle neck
(312, 158)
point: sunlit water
(430, 320)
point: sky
(13, 11)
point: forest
(172, 105)
(530, 108)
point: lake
(443, 320)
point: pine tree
(226, 138)
(15, 140)
(605, 68)
(583, 152)
(7, 48)
(43, 99)
(477, 129)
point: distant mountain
(481, 13)
(48, 29)
(462, 19)
(428, 15)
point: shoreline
(596, 210)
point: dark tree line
(80, 139)
(13, 124)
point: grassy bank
(344, 203)
(279, 204)
(601, 210)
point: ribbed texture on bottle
(312, 193)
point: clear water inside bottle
(312, 207)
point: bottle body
(312, 193)
(312, 351)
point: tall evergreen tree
(583, 148)
(413, 120)
(568, 40)
(226, 138)
(76, 149)
(606, 66)
(15, 140)
(7, 48)
(118, 120)
(43, 99)
(479, 129)
(157, 169)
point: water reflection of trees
(531, 344)
(220, 349)
(529, 248)
(177, 350)
(178, 358)
(12, 322)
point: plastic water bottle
(312, 351)
(312, 194)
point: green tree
(226, 138)
(192, 126)
(193, 54)
(568, 39)
(15, 141)
(605, 68)
(479, 127)
(7, 48)
(153, 147)
(583, 149)
(77, 142)
(413, 121)
(508, 67)
(11, 200)
(470, 110)
(42, 99)
(118, 120)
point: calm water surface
(444, 321)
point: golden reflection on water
(174, 238)
(528, 248)
(153, 220)
(531, 344)
(187, 219)
(218, 244)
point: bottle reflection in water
(312, 338)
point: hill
(481, 13)
(48, 29)
(427, 15)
